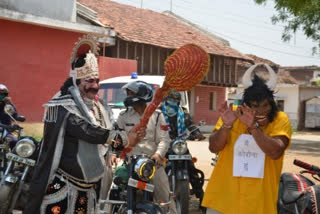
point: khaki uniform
(156, 141)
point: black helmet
(173, 94)
(143, 92)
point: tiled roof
(286, 77)
(257, 60)
(150, 27)
(262, 60)
(300, 68)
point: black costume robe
(75, 128)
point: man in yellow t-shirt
(251, 141)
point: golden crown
(87, 45)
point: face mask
(171, 112)
(173, 102)
(2, 96)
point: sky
(246, 25)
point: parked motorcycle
(297, 193)
(132, 188)
(4, 144)
(181, 170)
(14, 183)
(6, 135)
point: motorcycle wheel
(182, 197)
(6, 194)
(142, 211)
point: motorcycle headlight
(145, 168)
(179, 147)
(9, 109)
(25, 147)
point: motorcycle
(4, 144)
(6, 136)
(131, 191)
(297, 193)
(14, 183)
(181, 170)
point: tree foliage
(298, 14)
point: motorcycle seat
(292, 187)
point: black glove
(20, 118)
(117, 144)
(14, 127)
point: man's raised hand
(227, 114)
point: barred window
(213, 101)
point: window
(213, 101)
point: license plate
(140, 185)
(179, 157)
(19, 159)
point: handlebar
(306, 166)
(11, 127)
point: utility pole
(141, 3)
(171, 6)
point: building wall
(113, 67)
(34, 63)
(289, 94)
(305, 93)
(57, 9)
(150, 61)
(201, 103)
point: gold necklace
(99, 114)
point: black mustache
(94, 90)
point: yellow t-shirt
(244, 195)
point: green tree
(298, 14)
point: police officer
(155, 142)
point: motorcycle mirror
(21, 118)
(8, 109)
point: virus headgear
(257, 90)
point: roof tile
(150, 27)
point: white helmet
(3, 89)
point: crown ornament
(87, 45)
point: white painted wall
(290, 95)
(64, 10)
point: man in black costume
(71, 170)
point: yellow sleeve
(282, 126)
(218, 125)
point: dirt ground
(305, 146)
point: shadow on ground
(305, 147)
